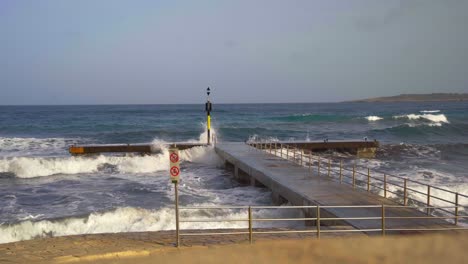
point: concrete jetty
(361, 148)
(145, 148)
(293, 183)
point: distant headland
(433, 97)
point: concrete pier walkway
(291, 182)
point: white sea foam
(28, 167)
(429, 111)
(434, 119)
(129, 219)
(373, 118)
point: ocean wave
(402, 151)
(436, 119)
(373, 118)
(29, 167)
(131, 219)
(10, 146)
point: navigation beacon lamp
(208, 110)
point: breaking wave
(130, 219)
(29, 167)
(433, 119)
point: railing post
(318, 221)
(428, 200)
(368, 179)
(318, 167)
(354, 176)
(385, 185)
(276, 149)
(250, 225)
(405, 194)
(294, 154)
(287, 152)
(383, 220)
(302, 156)
(176, 193)
(310, 163)
(341, 171)
(329, 167)
(456, 208)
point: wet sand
(158, 247)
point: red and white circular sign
(175, 171)
(174, 157)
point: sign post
(208, 110)
(174, 171)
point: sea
(46, 192)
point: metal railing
(369, 180)
(250, 219)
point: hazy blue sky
(93, 52)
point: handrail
(382, 218)
(357, 176)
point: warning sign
(174, 157)
(174, 171)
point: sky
(253, 51)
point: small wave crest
(309, 117)
(373, 118)
(429, 111)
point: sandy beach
(151, 247)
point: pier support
(366, 153)
(277, 198)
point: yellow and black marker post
(208, 111)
